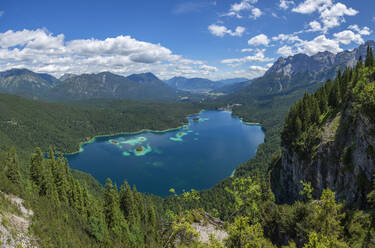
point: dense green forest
(27, 124)
(70, 213)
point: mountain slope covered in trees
(109, 85)
(328, 139)
(68, 214)
(26, 83)
(70, 87)
(28, 123)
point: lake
(195, 156)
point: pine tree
(12, 166)
(334, 96)
(138, 204)
(111, 204)
(315, 112)
(49, 187)
(114, 218)
(127, 203)
(370, 57)
(78, 196)
(61, 180)
(305, 112)
(86, 199)
(322, 100)
(36, 167)
(298, 129)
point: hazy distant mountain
(109, 85)
(193, 84)
(233, 80)
(233, 87)
(67, 76)
(25, 82)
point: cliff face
(319, 62)
(343, 161)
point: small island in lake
(140, 149)
(196, 119)
(115, 142)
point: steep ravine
(343, 161)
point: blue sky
(197, 38)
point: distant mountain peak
(67, 76)
(143, 77)
(318, 62)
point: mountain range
(298, 72)
(203, 84)
(26, 83)
(109, 85)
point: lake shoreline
(93, 139)
(222, 122)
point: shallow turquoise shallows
(196, 156)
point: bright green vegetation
(72, 211)
(68, 215)
(307, 117)
(316, 222)
(27, 124)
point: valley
(175, 124)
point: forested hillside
(70, 213)
(27, 124)
(71, 87)
(328, 139)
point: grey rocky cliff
(344, 135)
(319, 62)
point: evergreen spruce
(12, 166)
(370, 61)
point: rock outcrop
(344, 161)
(14, 225)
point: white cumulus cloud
(290, 38)
(221, 31)
(259, 40)
(330, 14)
(42, 51)
(244, 5)
(363, 31)
(285, 51)
(347, 36)
(257, 57)
(319, 44)
(245, 50)
(255, 13)
(285, 4)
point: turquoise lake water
(197, 156)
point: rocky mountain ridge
(29, 84)
(319, 62)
